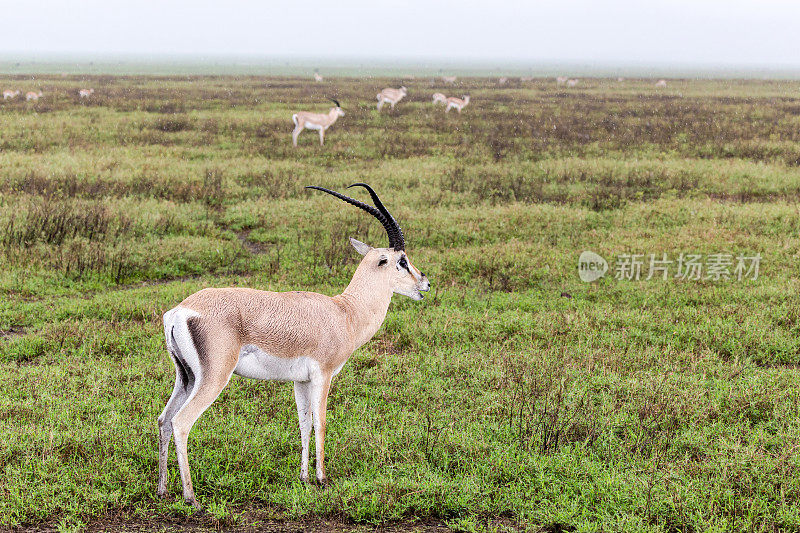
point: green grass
(514, 392)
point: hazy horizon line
(339, 64)
(410, 59)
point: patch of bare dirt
(13, 331)
(254, 248)
(246, 524)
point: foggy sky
(721, 32)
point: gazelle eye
(403, 263)
(383, 261)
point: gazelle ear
(360, 247)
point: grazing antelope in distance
(302, 337)
(33, 96)
(439, 98)
(561, 80)
(502, 81)
(316, 121)
(391, 96)
(573, 82)
(86, 93)
(8, 93)
(449, 79)
(317, 77)
(457, 103)
(661, 83)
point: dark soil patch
(13, 331)
(254, 248)
(248, 523)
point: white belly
(311, 126)
(255, 363)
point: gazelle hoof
(194, 503)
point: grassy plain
(514, 397)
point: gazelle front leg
(302, 396)
(319, 405)
(322, 136)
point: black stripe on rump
(187, 376)
(198, 338)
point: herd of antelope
(32, 96)
(304, 120)
(322, 121)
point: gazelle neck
(366, 301)
(333, 114)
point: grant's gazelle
(302, 337)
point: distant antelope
(33, 96)
(317, 77)
(315, 121)
(10, 94)
(661, 83)
(449, 79)
(620, 79)
(86, 93)
(572, 83)
(303, 337)
(390, 96)
(439, 98)
(503, 80)
(457, 103)
(561, 80)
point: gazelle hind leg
(180, 392)
(208, 387)
(302, 396)
(295, 135)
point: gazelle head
(390, 266)
(404, 90)
(339, 110)
(465, 98)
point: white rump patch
(255, 363)
(175, 325)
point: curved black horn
(396, 240)
(335, 102)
